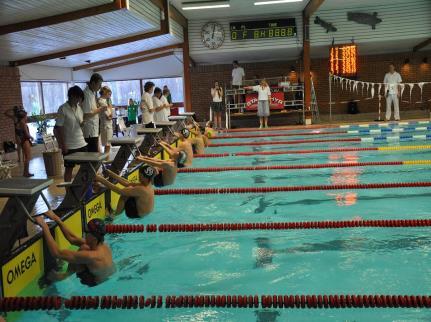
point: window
(122, 91)
(175, 85)
(32, 97)
(82, 85)
(54, 95)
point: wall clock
(212, 35)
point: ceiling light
(260, 3)
(205, 5)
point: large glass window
(175, 85)
(54, 95)
(122, 91)
(32, 97)
(82, 85)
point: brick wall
(371, 68)
(10, 95)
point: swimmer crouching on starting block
(166, 170)
(182, 155)
(210, 132)
(92, 263)
(136, 199)
(200, 141)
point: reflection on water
(264, 251)
(345, 176)
(266, 315)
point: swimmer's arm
(120, 179)
(65, 254)
(109, 185)
(151, 161)
(167, 147)
(68, 234)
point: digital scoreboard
(343, 60)
(276, 28)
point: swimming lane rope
(307, 166)
(287, 301)
(173, 228)
(248, 136)
(311, 151)
(281, 128)
(361, 186)
(283, 142)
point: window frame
(72, 83)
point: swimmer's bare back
(144, 199)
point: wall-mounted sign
(343, 60)
(276, 28)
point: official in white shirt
(147, 108)
(67, 130)
(263, 103)
(91, 113)
(159, 106)
(392, 91)
(238, 75)
(165, 100)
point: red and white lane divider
(213, 145)
(251, 301)
(175, 228)
(360, 186)
(249, 136)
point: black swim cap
(185, 132)
(147, 171)
(96, 227)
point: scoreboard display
(276, 28)
(343, 60)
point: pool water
(344, 261)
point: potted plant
(41, 126)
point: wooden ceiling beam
(134, 61)
(174, 13)
(311, 7)
(421, 45)
(64, 17)
(164, 30)
(129, 56)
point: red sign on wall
(277, 101)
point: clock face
(212, 35)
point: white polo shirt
(263, 92)
(147, 108)
(91, 125)
(237, 76)
(391, 82)
(159, 116)
(71, 118)
(167, 110)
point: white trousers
(392, 98)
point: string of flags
(370, 87)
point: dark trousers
(92, 144)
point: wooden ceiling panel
(18, 11)
(115, 51)
(67, 35)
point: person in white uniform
(147, 107)
(91, 113)
(165, 100)
(106, 131)
(392, 92)
(238, 75)
(159, 106)
(264, 99)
